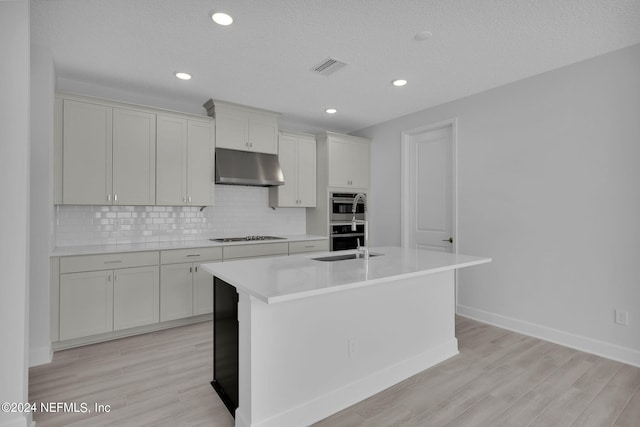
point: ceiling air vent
(328, 66)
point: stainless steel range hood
(234, 167)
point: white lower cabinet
(202, 291)
(308, 246)
(176, 290)
(95, 300)
(94, 297)
(185, 291)
(136, 297)
(86, 304)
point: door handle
(450, 240)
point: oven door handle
(345, 200)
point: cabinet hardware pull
(450, 240)
(108, 278)
(113, 262)
(184, 199)
(115, 277)
(193, 255)
(308, 246)
(189, 199)
(190, 269)
(109, 197)
(196, 268)
(115, 197)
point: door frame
(405, 154)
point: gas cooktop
(246, 238)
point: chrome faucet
(362, 250)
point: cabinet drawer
(264, 249)
(175, 256)
(72, 264)
(309, 246)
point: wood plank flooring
(500, 378)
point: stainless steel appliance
(341, 235)
(341, 205)
(342, 238)
(234, 167)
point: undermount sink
(343, 257)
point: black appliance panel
(225, 343)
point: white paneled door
(428, 187)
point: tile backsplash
(238, 211)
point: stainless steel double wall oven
(340, 215)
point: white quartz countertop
(177, 244)
(280, 279)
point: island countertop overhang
(279, 279)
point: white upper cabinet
(184, 162)
(348, 159)
(307, 172)
(134, 157)
(244, 128)
(86, 149)
(110, 153)
(171, 179)
(200, 147)
(297, 156)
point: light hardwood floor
(500, 378)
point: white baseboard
(40, 355)
(92, 339)
(322, 406)
(578, 342)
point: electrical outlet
(622, 317)
(352, 345)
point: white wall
(14, 211)
(549, 186)
(41, 210)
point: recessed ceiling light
(423, 35)
(221, 18)
(399, 82)
(330, 111)
(183, 76)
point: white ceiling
(264, 58)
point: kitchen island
(316, 336)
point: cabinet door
(306, 172)
(86, 153)
(202, 291)
(341, 162)
(360, 176)
(176, 291)
(134, 157)
(231, 130)
(86, 304)
(348, 164)
(199, 163)
(287, 193)
(263, 134)
(136, 297)
(171, 179)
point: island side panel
(303, 360)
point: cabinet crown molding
(129, 106)
(211, 105)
